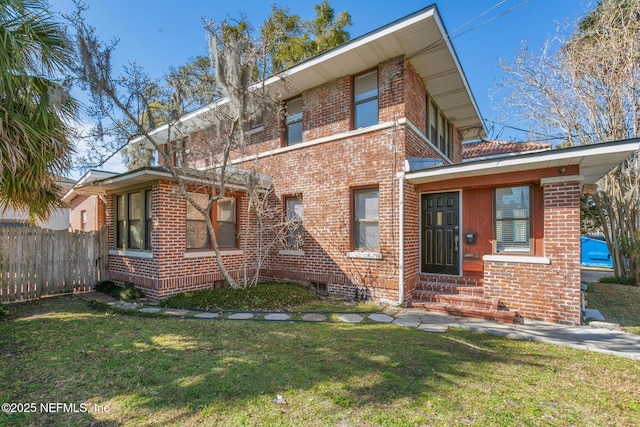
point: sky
(161, 34)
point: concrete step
(448, 288)
(462, 300)
(501, 316)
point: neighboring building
(87, 212)
(58, 220)
(369, 153)
(484, 149)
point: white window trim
(212, 253)
(131, 253)
(364, 255)
(517, 259)
(291, 252)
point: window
(227, 226)
(513, 220)
(294, 120)
(197, 233)
(439, 130)
(179, 152)
(133, 220)
(293, 206)
(365, 217)
(83, 220)
(365, 99)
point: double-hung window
(197, 233)
(365, 219)
(365, 99)
(133, 220)
(225, 225)
(294, 120)
(293, 206)
(513, 220)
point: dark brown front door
(440, 233)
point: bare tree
(126, 102)
(586, 90)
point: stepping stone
(409, 321)
(350, 318)
(150, 309)
(240, 316)
(128, 306)
(277, 316)
(382, 318)
(433, 328)
(206, 315)
(314, 317)
(176, 312)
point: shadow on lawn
(152, 370)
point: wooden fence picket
(36, 262)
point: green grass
(617, 303)
(180, 372)
(267, 296)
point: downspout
(400, 242)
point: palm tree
(35, 109)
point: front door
(440, 233)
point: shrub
(127, 293)
(4, 312)
(618, 280)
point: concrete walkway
(597, 338)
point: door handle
(456, 239)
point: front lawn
(169, 371)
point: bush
(268, 296)
(618, 280)
(4, 312)
(127, 293)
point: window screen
(197, 233)
(294, 222)
(366, 219)
(513, 219)
(294, 121)
(227, 231)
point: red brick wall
(549, 292)
(169, 272)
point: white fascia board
(565, 156)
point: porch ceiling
(594, 162)
(419, 37)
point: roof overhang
(420, 37)
(236, 179)
(594, 162)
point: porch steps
(459, 300)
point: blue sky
(161, 34)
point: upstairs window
(439, 129)
(83, 220)
(365, 99)
(294, 120)
(513, 220)
(179, 151)
(365, 219)
(293, 206)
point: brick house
(87, 210)
(368, 152)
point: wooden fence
(36, 262)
